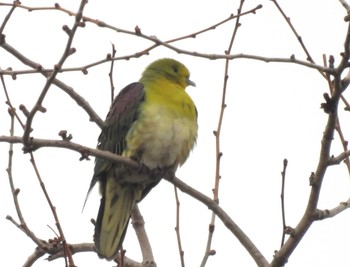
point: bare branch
(177, 229)
(85, 151)
(37, 254)
(224, 217)
(110, 74)
(67, 52)
(283, 254)
(326, 214)
(217, 134)
(139, 225)
(67, 89)
(2, 27)
(345, 5)
(285, 163)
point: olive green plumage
(154, 122)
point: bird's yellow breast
(166, 129)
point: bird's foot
(166, 173)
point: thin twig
(8, 101)
(177, 229)
(100, 23)
(224, 217)
(67, 52)
(15, 191)
(283, 173)
(337, 127)
(217, 133)
(67, 89)
(45, 72)
(2, 27)
(32, 160)
(110, 74)
(67, 252)
(281, 256)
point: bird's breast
(162, 136)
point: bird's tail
(113, 217)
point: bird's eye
(175, 69)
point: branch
(2, 27)
(83, 150)
(345, 5)
(37, 254)
(67, 52)
(217, 134)
(139, 225)
(67, 89)
(326, 214)
(229, 223)
(284, 225)
(177, 229)
(224, 217)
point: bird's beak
(189, 82)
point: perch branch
(139, 225)
(177, 229)
(229, 223)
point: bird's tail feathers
(113, 217)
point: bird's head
(172, 70)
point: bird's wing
(123, 112)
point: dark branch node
(82, 24)
(137, 30)
(29, 148)
(84, 71)
(331, 61)
(101, 24)
(42, 109)
(84, 156)
(321, 214)
(24, 110)
(72, 50)
(347, 18)
(312, 179)
(330, 106)
(16, 192)
(212, 252)
(64, 136)
(2, 38)
(11, 112)
(57, 67)
(211, 228)
(289, 231)
(66, 29)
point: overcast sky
(273, 112)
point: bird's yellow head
(170, 69)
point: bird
(154, 122)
